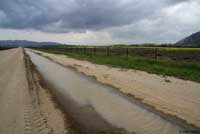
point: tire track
(21, 108)
(35, 122)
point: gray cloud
(137, 20)
(75, 15)
(177, 1)
(170, 25)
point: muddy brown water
(98, 107)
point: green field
(183, 70)
(142, 47)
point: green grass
(143, 47)
(178, 49)
(160, 48)
(181, 70)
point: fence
(154, 53)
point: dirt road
(25, 107)
(169, 95)
(12, 91)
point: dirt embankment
(26, 107)
(170, 95)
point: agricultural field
(167, 53)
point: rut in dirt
(19, 112)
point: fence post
(127, 52)
(90, 50)
(94, 50)
(84, 50)
(156, 53)
(108, 51)
(78, 50)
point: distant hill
(192, 40)
(25, 43)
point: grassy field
(143, 47)
(181, 70)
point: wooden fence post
(84, 50)
(127, 52)
(156, 53)
(108, 51)
(94, 50)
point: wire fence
(153, 53)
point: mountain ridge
(192, 40)
(26, 43)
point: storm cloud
(69, 15)
(63, 16)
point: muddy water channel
(98, 107)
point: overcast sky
(99, 22)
